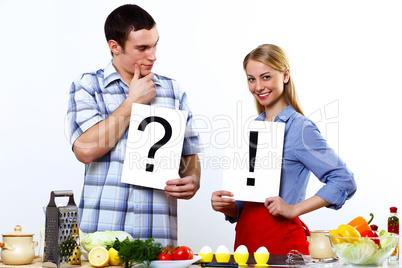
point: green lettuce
(358, 252)
(103, 238)
(366, 251)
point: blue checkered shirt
(106, 203)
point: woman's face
(267, 84)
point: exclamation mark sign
(252, 151)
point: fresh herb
(137, 251)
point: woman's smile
(264, 95)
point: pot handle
(7, 246)
(34, 244)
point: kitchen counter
(274, 261)
(38, 263)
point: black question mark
(252, 154)
(161, 142)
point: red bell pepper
(370, 234)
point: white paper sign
(255, 182)
(154, 145)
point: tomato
(169, 249)
(165, 256)
(183, 253)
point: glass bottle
(393, 227)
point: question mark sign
(168, 134)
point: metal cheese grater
(62, 245)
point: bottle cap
(393, 209)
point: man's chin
(145, 72)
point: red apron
(256, 227)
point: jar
(320, 246)
(18, 247)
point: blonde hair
(276, 58)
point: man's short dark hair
(125, 19)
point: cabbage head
(358, 252)
(103, 238)
(386, 247)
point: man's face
(140, 48)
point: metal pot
(18, 247)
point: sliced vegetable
(360, 224)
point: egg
(222, 254)
(262, 250)
(241, 255)
(206, 250)
(242, 249)
(222, 249)
(206, 254)
(261, 257)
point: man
(98, 117)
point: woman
(275, 224)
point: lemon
(98, 257)
(114, 257)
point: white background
(344, 55)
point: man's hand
(183, 188)
(189, 183)
(104, 136)
(141, 89)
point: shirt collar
(110, 75)
(281, 117)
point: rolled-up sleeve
(239, 206)
(83, 111)
(314, 152)
(192, 141)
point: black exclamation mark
(252, 150)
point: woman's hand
(278, 207)
(223, 204)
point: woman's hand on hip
(278, 207)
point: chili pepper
(370, 234)
(360, 224)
